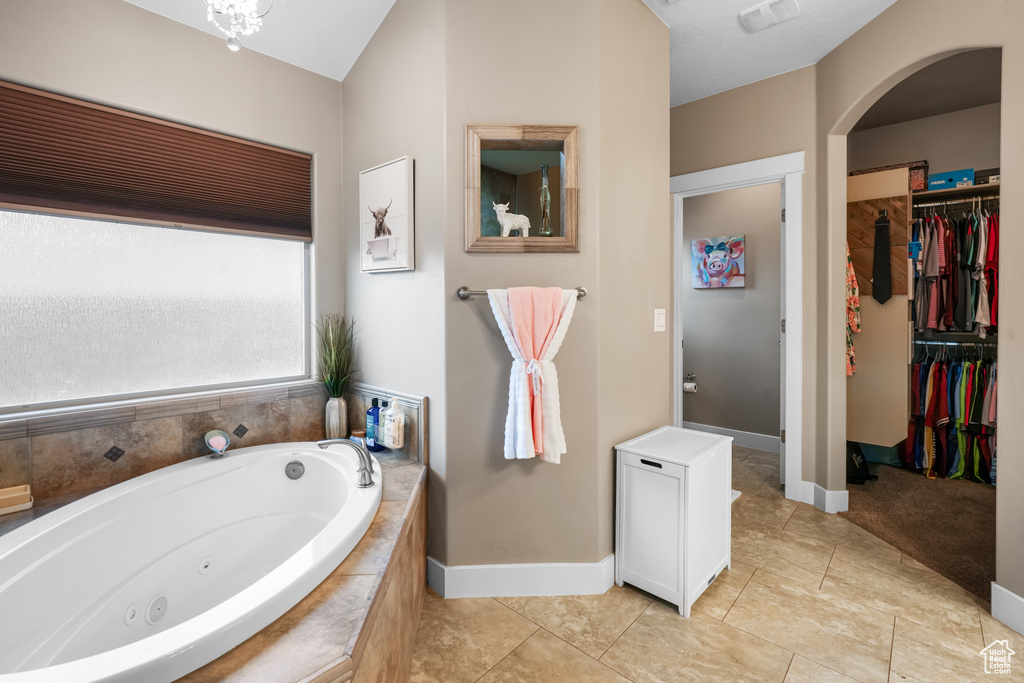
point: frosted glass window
(93, 309)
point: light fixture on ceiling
(236, 18)
(769, 13)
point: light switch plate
(659, 319)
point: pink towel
(536, 312)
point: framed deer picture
(386, 240)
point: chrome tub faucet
(365, 463)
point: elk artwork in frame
(522, 189)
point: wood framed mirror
(507, 168)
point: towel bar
(465, 292)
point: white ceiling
(711, 52)
(322, 36)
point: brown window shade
(61, 155)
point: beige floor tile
(921, 654)
(790, 555)
(740, 453)
(993, 629)
(588, 622)
(803, 670)
(809, 521)
(908, 560)
(545, 658)
(772, 488)
(764, 458)
(840, 634)
(663, 646)
(748, 477)
(919, 595)
(719, 596)
(766, 509)
(460, 640)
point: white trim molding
(521, 580)
(1008, 607)
(761, 442)
(823, 499)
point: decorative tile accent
(15, 462)
(74, 421)
(13, 429)
(183, 406)
(240, 431)
(114, 454)
(71, 461)
(308, 389)
(266, 423)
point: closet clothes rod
(980, 341)
(465, 292)
(957, 202)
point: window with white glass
(93, 309)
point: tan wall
(731, 334)
(112, 52)
(393, 107)
(612, 81)
(771, 117)
(961, 139)
(850, 80)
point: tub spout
(365, 463)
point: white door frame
(788, 170)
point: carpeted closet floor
(948, 525)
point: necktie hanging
(881, 274)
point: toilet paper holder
(690, 385)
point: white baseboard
(823, 499)
(520, 580)
(1008, 607)
(762, 442)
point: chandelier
(236, 18)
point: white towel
(519, 437)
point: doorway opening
(786, 172)
(930, 442)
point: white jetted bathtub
(152, 578)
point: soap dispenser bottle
(372, 420)
(394, 426)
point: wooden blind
(62, 155)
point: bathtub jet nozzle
(365, 463)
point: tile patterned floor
(810, 598)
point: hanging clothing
(951, 431)
(852, 313)
(533, 322)
(956, 274)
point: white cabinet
(672, 513)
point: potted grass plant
(337, 358)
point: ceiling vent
(769, 13)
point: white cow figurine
(511, 221)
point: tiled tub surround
(64, 454)
(360, 623)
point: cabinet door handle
(651, 463)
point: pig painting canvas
(718, 262)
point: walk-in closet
(922, 317)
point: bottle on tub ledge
(373, 427)
(394, 426)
